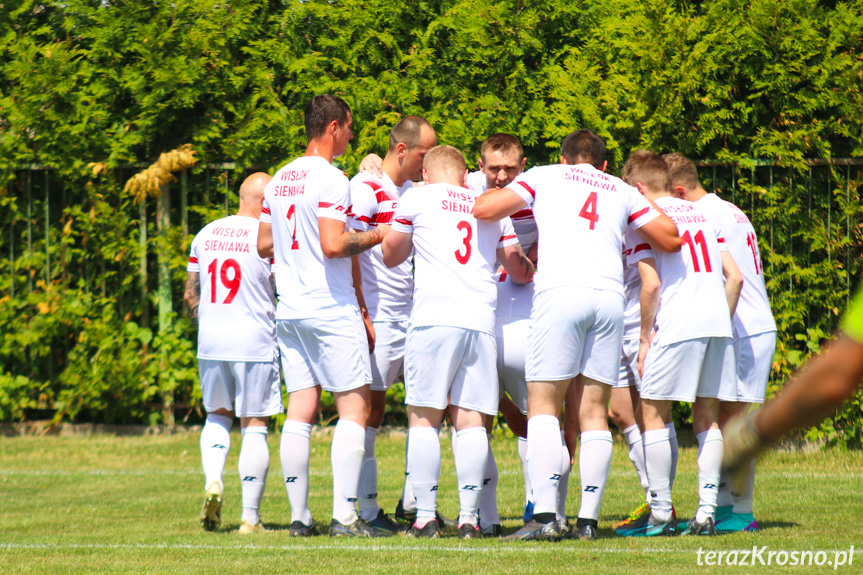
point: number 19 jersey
(454, 257)
(236, 313)
(308, 283)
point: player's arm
(338, 243)
(192, 296)
(514, 418)
(372, 163)
(265, 240)
(516, 264)
(361, 301)
(733, 280)
(397, 247)
(533, 253)
(495, 205)
(649, 300)
(661, 233)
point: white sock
(543, 454)
(672, 439)
(563, 484)
(409, 501)
(347, 460)
(709, 466)
(657, 460)
(368, 492)
(743, 500)
(254, 465)
(488, 500)
(636, 452)
(594, 462)
(723, 499)
(470, 463)
(294, 453)
(522, 455)
(424, 457)
(215, 444)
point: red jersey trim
(642, 247)
(638, 214)
(504, 238)
(528, 188)
(193, 260)
(404, 222)
(266, 210)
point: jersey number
(291, 215)
(699, 239)
(753, 245)
(232, 283)
(588, 210)
(468, 234)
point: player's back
(388, 292)
(753, 315)
(454, 257)
(237, 306)
(692, 302)
(581, 214)
(308, 283)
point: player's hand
(383, 230)
(372, 163)
(370, 330)
(643, 348)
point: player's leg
(471, 461)
(656, 413)
(295, 453)
(621, 411)
(425, 457)
(258, 396)
(348, 449)
(217, 391)
(594, 452)
(489, 519)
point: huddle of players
(438, 324)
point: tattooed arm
(338, 243)
(192, 296)
(516, 264)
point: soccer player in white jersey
(685, 351)
(388, 292)
(753, 327)
(577, 318)
(229, 294)
(641, 284)
(320, 332)
(450, 352)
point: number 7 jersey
(237, 311)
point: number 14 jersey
(237, 310)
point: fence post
(47, 233)
(142, 263)
(184, 201)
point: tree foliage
(114, 83)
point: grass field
(130, 504)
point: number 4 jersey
(237, 310)
(454, 257)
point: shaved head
(252, 194)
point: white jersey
(309, 284)
(514, 301)
(635, 249)
(753, 315)
(692, 301)
(388, 292)
(236, 313)
(454, 257)
(581, 213)
(523, 221)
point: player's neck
(696, 194)
(321, 147)
(391, 167)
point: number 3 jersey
(692, 302)
(454, 257)
(237, 311)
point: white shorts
(389, 356)
(511, 337)
(575, 330)
(629, 365)
(248, 388)
(452, 362)
(682, 371)
(330, 352)
(754, 356)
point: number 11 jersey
(237, 311)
